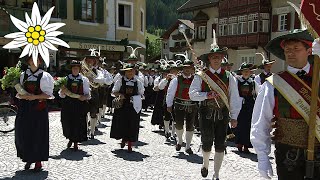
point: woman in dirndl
(246, 87)
(74, 109)
(32, 120)
(126, 118)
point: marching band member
(276, 107)
(217, 91)
(74, 111)
(184, 108)
(126, 118)
(112, 71)
(163, 85)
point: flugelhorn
(87, 72)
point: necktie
(301, 73)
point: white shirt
(86, 85)
(150, 80)
(118, 84)
(156, 82)
(196, 93)
(107, 76)
(100, 78)
(172, 90)
(145, 81)
(140, 77)
(46, 82)
(257, 81)
(261, 120)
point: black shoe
(167, 135)
(246, 151)
(204, 172)
(91, 136)
(178, 147)
(27, 166)
(189, 151)
(123, 144)
(96, 128)
(69, 144)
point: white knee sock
(189, 135)
(179, 134)
(218, 158)
(173, 130)
(166, 126)
(206, 157)
(104, 107)
(93, 123)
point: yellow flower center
(35, 35)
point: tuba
(87, 72)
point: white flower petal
(22, 26)
(21, 39)
(15, 35)
(46, 18)
(15, 44)
(35, 54)
(35, 15)
(31, 49)
(54, 34)
(26, 50)
(53, 27)
(57, 41)
(44, 52)
(28, 20)
(48, 45)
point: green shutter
(100, 11)
(63, 9)
(77, 9)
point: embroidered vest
(75, 85)
(224, 76)
(128, 90)
(32, 87)
(183, 87)
(263, 77)
(246, 89)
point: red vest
(183, 87)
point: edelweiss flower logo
(37, 35)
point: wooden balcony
(249, 40)
(181, 37)
(178, 49)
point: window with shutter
(297, 23)
(283, 22)
(124, 15)
(45, 5)
(77, 9)
(100, 11)
(63, 12)
(88, 10)
(288, 22)
(275, 20)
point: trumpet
(86, 71)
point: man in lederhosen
(217, 90)
(163, 85)
(266, 66)
(99, 78)
(185, 110)
(283, 103)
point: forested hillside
(163, 13)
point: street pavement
(154, 158)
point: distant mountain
(161, 14)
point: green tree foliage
(161, 14)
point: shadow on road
(139, 143)
(251, 156)
(193, 158)
(133, 156)
(69, 154)
(29, 174)
(92, 142)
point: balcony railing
(181, 37)
(178, 48)
(257, 39)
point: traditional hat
(127, 66)
(225, 62)
(75, 63)
(265, 61)
(186, 62)
(133, 56)
(214, 48)
(36, 35)
(246, 66)
(275, 46)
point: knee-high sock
(206, 157)
(104, 107)
(173, 130)
(93, 123)
(189, 135)
(166, 126)
(218, 158)
(179, 134)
